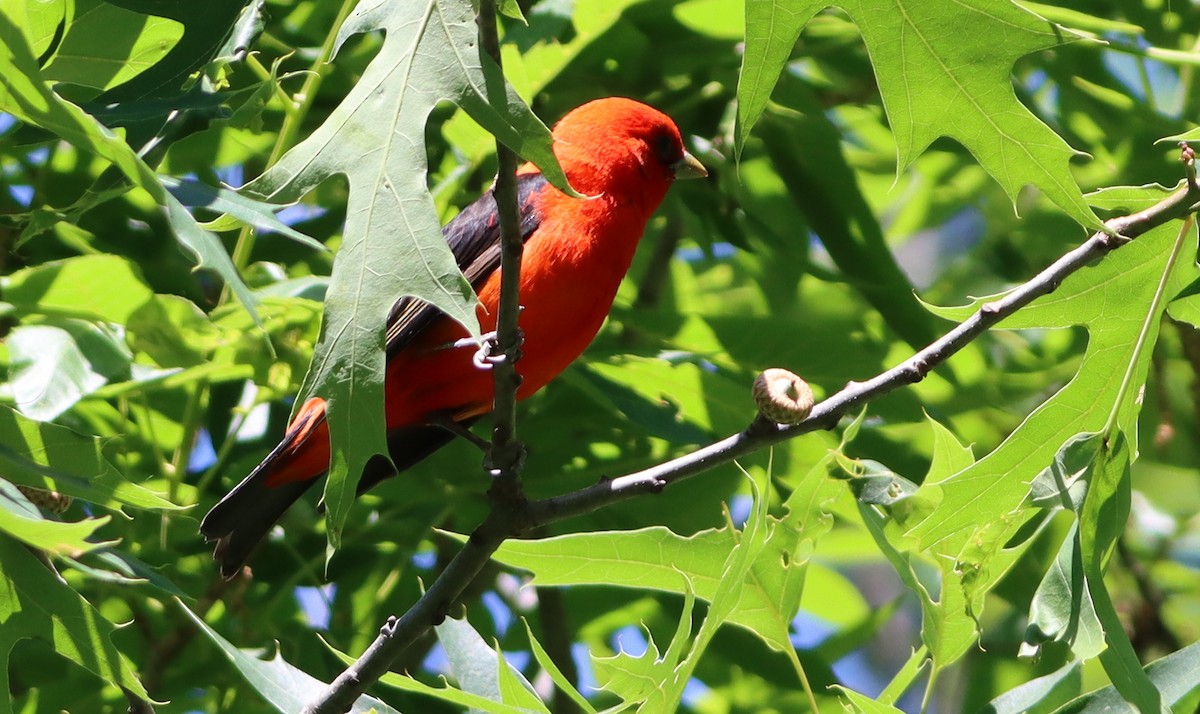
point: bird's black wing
(250, 510)
(474, 238)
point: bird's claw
(490, 354)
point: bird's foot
(490, 353)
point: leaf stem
(191, 425)
(266, 75)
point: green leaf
(1110, 298)
(1062, 607)
(1102, 520)
(481, 670)
(947, 630)
(533, 58)
(1176, 676)
(209, 28)
(92, 287)
(877, 485)
(862, 704)
(43, 19)
(282, 685)
(949, 456)
(252, 213)
(642, 680)
(35, 603)
(175, 332)
(1189, 135)
(104, 45)
(1130, 199)
(935, 80)
(22, 520)
(514, 688)
(736, 570)
(948, 624)
(448, 693)
(560, 680)
(1039, 696)
(1077, 20)
(111, 565)
(393, 244)
(674, 401)
(653, 558)
(904, 677)
(54, 458)
(25, 95)
(806, 153)
(55, 365)
(510, 8)
(980, 509)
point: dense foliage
(1017, 531)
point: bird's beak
(688, 168)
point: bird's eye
(665, 148)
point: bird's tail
(247, 513)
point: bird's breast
(572, 266)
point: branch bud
(53, 501)
(782, 397)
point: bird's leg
(445, 422)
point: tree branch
(503, 523)
(507, 453)
(826, 414)
(504, 460)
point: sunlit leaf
(35, 603)
(54, 458)
(933, 88)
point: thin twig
(503, 523)
(428, 611)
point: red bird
(623, 156)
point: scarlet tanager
(622, 156)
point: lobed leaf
(931, 85)
(35, 603)
(283, 685)
(393, 244)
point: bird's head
(624, 149)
